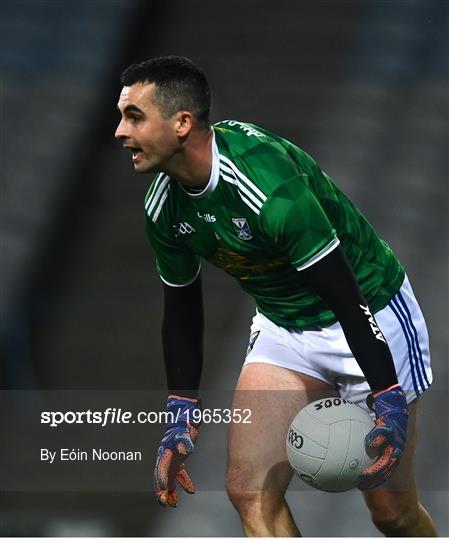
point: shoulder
(255, 159)
(246, 140)
(243, 129)
(238, 138)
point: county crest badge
(242, 228)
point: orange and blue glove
(179, 440)
(389, 435)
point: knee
(257, 506)
(245, 502)
(395, 520)
(251, 500)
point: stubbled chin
(143, 168)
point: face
(151, 139)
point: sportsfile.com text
(113, 415)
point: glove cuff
(183, 411)
(193, 400)
(390, 401)
(396, 386)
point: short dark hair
(180, 85)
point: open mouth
(136, 152)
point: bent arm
(182, 338)
(333, 279)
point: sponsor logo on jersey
(241, 267)
(183, 228)
(242, 228)
(376, 330)
(208, 218)
(252, 340)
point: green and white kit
(267, 213)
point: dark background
(360, 85)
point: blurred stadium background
(361, 85)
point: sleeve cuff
(318, 256)
(182, 284)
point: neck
(192, 166)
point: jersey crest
(242, 228)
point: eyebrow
(130, 109)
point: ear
(183, 123)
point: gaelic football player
(335, 311)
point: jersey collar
(214, 174)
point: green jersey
(267, 212)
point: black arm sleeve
(182, 337)
(333, 279)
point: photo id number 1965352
(218, 416)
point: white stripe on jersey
(229, 179)
(255, 205)
(227, 169)
(253, 208)
(153, 188)
(159, 208)
(226, 161)
(155, 197)
(249, 197)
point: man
(260, 208)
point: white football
(326, 444)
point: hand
(389, 435)
(181, 433)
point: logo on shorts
(252, 340)
(242, 228)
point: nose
(120, 131)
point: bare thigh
(257, 460)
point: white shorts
(325, 354)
